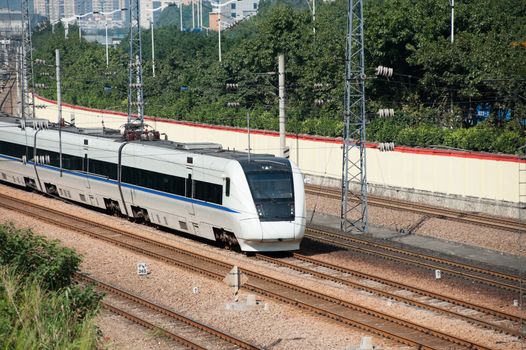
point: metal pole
(314, 17)
(282, 137)
(107, 54)
(193, 14)
(59, 106)
(181, 14)
(201, 13)
(354, 210)
(452, 21)
(248, 133)
(153, 51)
(19, 91)
(80, 31)
(219, 32)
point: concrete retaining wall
(464, 180)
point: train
(251, 202)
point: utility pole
(181, 14)
(153, 49)
(193, 14)
(59, 106)
(452, 4)
(354, 212)
(282, 129)
(135, 65)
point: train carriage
(254, 201)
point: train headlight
(259, 208)
(291, 206)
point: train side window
(227, 187)
(208, 192)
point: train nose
(278, 230)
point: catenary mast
(354, 216)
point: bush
(31, 255)
(509, 142)
(33, 318)
(39, 307)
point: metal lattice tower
(27, 99)
(354, 204)
(135, 91)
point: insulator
(384, 71)
(48, 159)
(319, 101)
(386, 112)
(232, 86)
(386, 146)
(232, 104)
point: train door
(189, 191)
(85, 169)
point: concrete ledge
(450, 201)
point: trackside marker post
(235, 279)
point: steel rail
(462, 216)
(165, 311)
(408, 257)
(151, 326)
(389, 295)
(374, 321)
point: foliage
(33, 318)
(39, 307)
(436, 87)
(31, 255)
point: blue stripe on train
(126, 185)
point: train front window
(273, 194)
(270, 186)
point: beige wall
(463, 174)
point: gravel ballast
(279, 327)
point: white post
(153, 52)
(181, 14)
(281, 70)
(59, 106)
(18, 77)
(219, 32)
(201, 13)
(80, 30)
(314, 17)
(248, 134)
(452, 3)
(107, 54)
(193, 14)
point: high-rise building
(52, 9)
(232, 13)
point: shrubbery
(479, 138)
(39, 307)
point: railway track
(181, 329)
(447, 267)
(345, 312)
(431, 211)
(475, 314)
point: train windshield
(270, 186)
(273, 194)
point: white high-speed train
(256, 202)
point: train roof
(205, 148)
